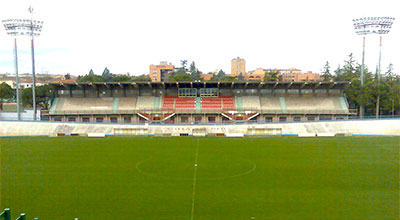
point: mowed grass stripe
(295, 178)
(195, 178)
(307, 179)
(65, 178)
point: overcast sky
(128, 36)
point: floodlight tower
(11, 30)
(24, 27)
(372, 25)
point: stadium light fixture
(24, 27)
(372, 25)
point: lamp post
(24, 27)
(372, 25)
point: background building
(207, 76)
(285, 75)
(288, 75)
(238, 66)
(257, 74)
(159, 73)
(41, 79)
(297, 76)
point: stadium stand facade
(198, 102)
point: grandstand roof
(233, 85)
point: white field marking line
(142, 172)
(194, 178)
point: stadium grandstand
(197, 102)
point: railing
(380, 117)
(143, 122)
(53, 96)
(345, 99)
(210, 110)
(371, 118)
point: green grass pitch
(146, 178)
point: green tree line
(43, 94)
(386, 86)
(183, 74)
(107, 76)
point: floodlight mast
(372, 25)
(24, 27)
(17, 80)
(33, 65)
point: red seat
(176, 102)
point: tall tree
(192, 67)
(326, 73)
(271, 75)
(6, 92)
(350, 70)
(178, 75)
(367, 95)
(91, 77)
(195, 73)
(170, 76)
(389, 73)
(337, 72)
(350, 65)
(221, 75)
(26, 96)
(43, 94)
(183, 64)
(107, 75)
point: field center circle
(155, 168)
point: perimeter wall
(367, 127)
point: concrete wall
(372, 127)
